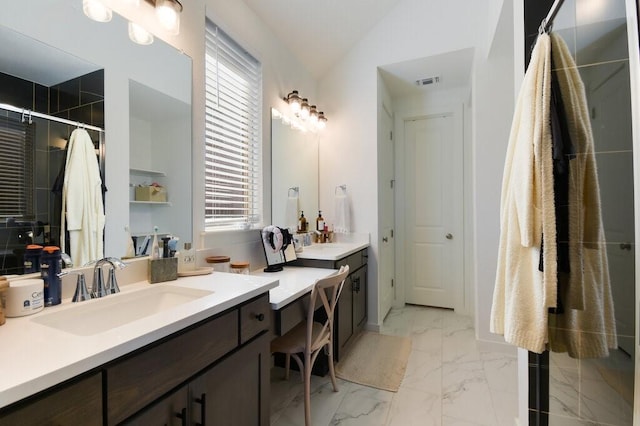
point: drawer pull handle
(182, 415)
(260, 317)
(203, 409)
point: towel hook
(295, 189)
(343, 187)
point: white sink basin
(99, 315)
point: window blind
(16, 168)
(232, 132)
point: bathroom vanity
(188, 363)
(351, 312)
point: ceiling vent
(427, 81)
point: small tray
(198, 271)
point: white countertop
(332, 251)
(293, 282)
(34, 357)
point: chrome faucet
(98, 288)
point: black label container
(50, 267)
(32, 258)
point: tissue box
(151, 193)
(164, 269)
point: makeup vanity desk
(290, 299)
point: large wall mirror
(294, 173)
(93, 73)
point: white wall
(493, 111)
(281, 74)
(411, 30)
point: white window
(233, 176)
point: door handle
(449, 237)
(625, 246)
(385, 239)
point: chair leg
(307, 389)
(287, 364)
(332, 371)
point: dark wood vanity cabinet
(64, 405)
(213, 372)
(351, 313)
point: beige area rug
(376, 360)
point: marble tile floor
(448, 381)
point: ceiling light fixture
(94, 9)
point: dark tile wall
(80, 99)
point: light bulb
(168, 12)
(139, 35)
(313, 115)
(94, 9)
(304, 109)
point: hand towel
(342, 223)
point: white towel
(342, 224)
(291, 212)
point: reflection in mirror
(600, 389)
(86, 78)
(294, 173)
(34, 143)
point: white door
(387, 214)
(433, 213)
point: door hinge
(392, 233)
(390, 135)
(392, 182)
(392, 282)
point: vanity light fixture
(305, 109)
(168, 12)
(313, 115)
(322, 121)
(303, 114)
(294, 101)
(96, 10)
(139, 35)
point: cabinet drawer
(140, 379)
(73, 404)
(254, 318)
(355, 260)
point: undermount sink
(99, 315)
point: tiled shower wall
(565, 390)
(80, 99)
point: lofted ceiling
(319, 33)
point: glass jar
(219, 263)
(240, 268)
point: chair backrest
(328, 290)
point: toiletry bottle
(302, 223)
(320, 222)
(155, 249)
(186, 259)
(50, 267)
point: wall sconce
(305, 115)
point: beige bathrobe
(522, 293)
(589, 331)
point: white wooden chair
(309, 337)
